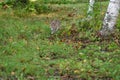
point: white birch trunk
(90, 8)
(110, 18)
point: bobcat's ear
(51, 29)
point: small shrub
(42, 8)
(20, 3)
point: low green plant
(29, 51)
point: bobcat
(54, 25)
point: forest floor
(28, 51)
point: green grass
(28, 50)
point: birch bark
(110, 18)
(90, 8)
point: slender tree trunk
(90, 8)
(110, 18)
